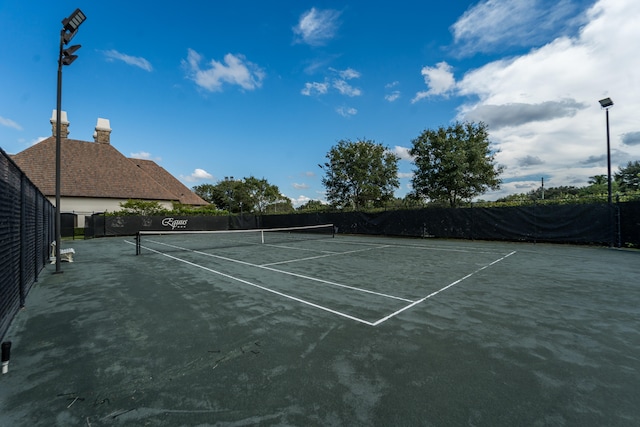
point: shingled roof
(168, 181)
(92, 169)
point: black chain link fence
(27, 221)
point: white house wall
(87, 206)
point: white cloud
(439, 79)
(493, 25)
(197, 175)
(38, 139)
(316, 27)
(9, 123)
(136, 61)
(299, 201)
(346, 89)
(542, 107)
(405, 175)
(393, 96)
(235, 70)
(403, 153)
(144, 156)
(347, 74)
(339, 83)
(346, 111)
(302, 199)
(315, 88)
(300, 186)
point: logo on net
(175, 223)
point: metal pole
(608, 161)
(58, 153)
(609, 198)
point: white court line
(323, 256)
(376, 323)
(299, 249)
(384, 319)
(427, 248)
(301, 276)
(246, 282)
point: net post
(262, 236)
(138, 243)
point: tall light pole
(607, 103)
(66, 57)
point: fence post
(36, 237)
(619, 221)
(23, 239)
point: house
(95, 177)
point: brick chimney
(103, 132)
(64, 124)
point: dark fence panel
(579, 223)
(628, 222)
(26, 220)
(99, 225)
(68, 222)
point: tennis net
(164, 241)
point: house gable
(98, 170)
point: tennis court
(344, 330)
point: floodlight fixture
(74, 20)
(71, 24)
(606, 103)
(67, 56)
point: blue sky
(210, 89)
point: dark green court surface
(344, 331)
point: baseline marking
(384, 319)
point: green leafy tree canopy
(359, 174)
(242, 195)
(454, 164)
(628, 177)
(142, 207)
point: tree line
(453, 165)
(625, 183)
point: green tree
(141, 207)
(261, 194)
(597, 187)
(312, 206)
(454, 164)
(598, 180)
(282, 206)
(207, 192)
(360, 174)
(224, 195)
(628, 177)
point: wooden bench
(65, 254)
